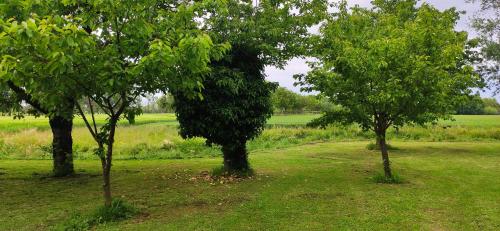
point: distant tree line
(283, 101)
(475, 105)
(288, 102)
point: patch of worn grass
(322, 186)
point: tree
(166, 103)
(36, 52)
(285, 100)
(391, 65)
(245, 96)
(139, 47)
(487, 24)
(236, 96)
(491, 106)
(473, 105)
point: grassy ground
(307, 179)
(323, 186)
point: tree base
(225, 172)
(382, 179)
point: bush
(119, 210)
(490, 111)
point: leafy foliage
(487, 24)
(276, 30)
(42, 55)
(236, 102)
(396, 62)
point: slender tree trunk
(62, 146)
(385, 154)
(377, 142)
(107, 184)
(235, 157)
(106, 166)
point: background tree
(140, 47)
(487, 24)
(391, 65)
(286, 101)
(10, 104)
(491, 106)
(166, 103)
(473, 105)
(237, 101)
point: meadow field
(306, 178)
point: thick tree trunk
(62, 146)
(235, 157)
(62, 143)
(385, 155)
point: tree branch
(26, 97)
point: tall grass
(160, 141)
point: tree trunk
(235, 157)
(62, 146)
(107, 184)
(106, 166)
(385, 154)
(106, 172)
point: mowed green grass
(323, 186)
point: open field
(327, 186)
(306, 179)
(7, 123)
(155, 136)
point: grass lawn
(323, 186)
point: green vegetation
(446, 186)
(397, 71)
(288, 102)
(487, 25)
(475, 105)
(119, 210)
(155, 136)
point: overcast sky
(297, 66)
